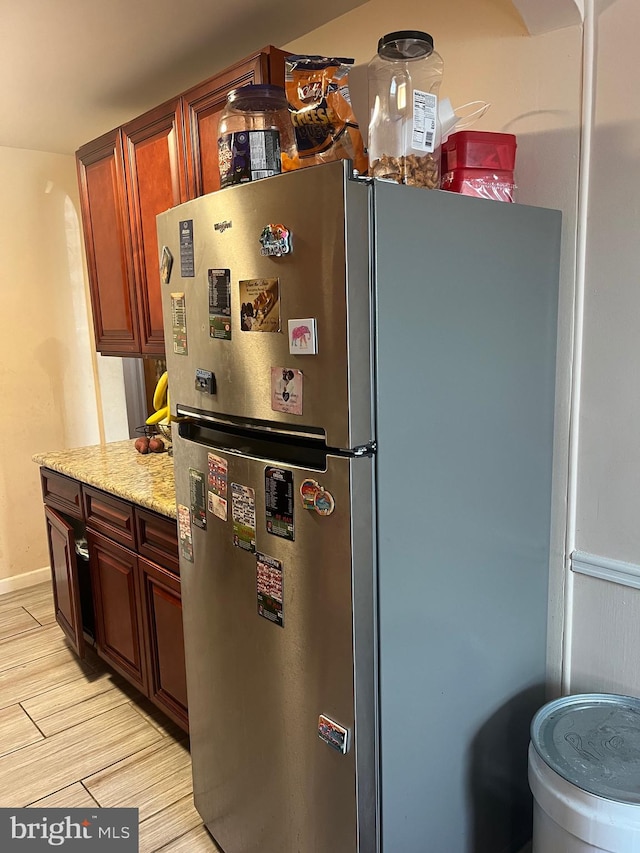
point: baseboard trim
(25, 580)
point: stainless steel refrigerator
(364, 379)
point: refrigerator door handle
(308, 453)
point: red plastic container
(478, 149)
(494, 184)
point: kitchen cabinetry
(156, 181)
(107, 240)
(202, 106)
(131, 174)
(117, 608)
(162, 614)
(63, 519)
(126, 601)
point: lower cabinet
(64, 575)
(162, 615)
(118, 588)
(117, 605)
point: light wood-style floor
(75, 734)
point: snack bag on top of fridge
(325, 126)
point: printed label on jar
(248, 156)
(425, 114)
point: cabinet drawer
(61, 492)
(157, 539)
(110, 516)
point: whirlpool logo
(73, 830)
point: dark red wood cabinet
(162, 615)
(118, 614)
(128, 176)
(107, 240)
(64, 577)
(203, 104)
(125, 599)
(62, 498)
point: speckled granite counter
(118, 468)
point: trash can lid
(593, 741)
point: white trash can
(584, 773)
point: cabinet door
(162, 614)
(202, 106)
(116, 600)
(154, 163)
(108, 245)
(64, 575)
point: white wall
(47, 367)
(605, 640)
(534, 86)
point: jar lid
(258, 97)
(593, 741)
(405, 44)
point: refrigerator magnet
(243, 512)
(184, 532)
(187, 265)
(217, 482)
(269, 589)
(217, 506)
(323, 502)
(276, 241)
(260, 305)
(308, 490)
(179, 323)
(219, 304)
(286, 390)
(166, 263)
(197, 495)
(302, 337)
(278, 499)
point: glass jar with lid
(255, 135)
(404, 131)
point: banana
(157, 416)
(160, 393)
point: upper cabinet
(202, 106)
(128, 176)
(107, 239)
(156, 180)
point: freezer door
(320, 288)
(264, 779)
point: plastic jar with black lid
(255, 135)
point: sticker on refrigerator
(269, 585)
(278, 490)
(217, 496)
(243, 512)
(275, 240)
(260, 305)
(302, 337)
(179, 323)
(166, 263)
(197, 491)
(187, 266)
(286, 390)
(184, 532)
(219, 304)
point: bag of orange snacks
(325, 126)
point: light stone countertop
(118, 468)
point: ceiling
(73, 69)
